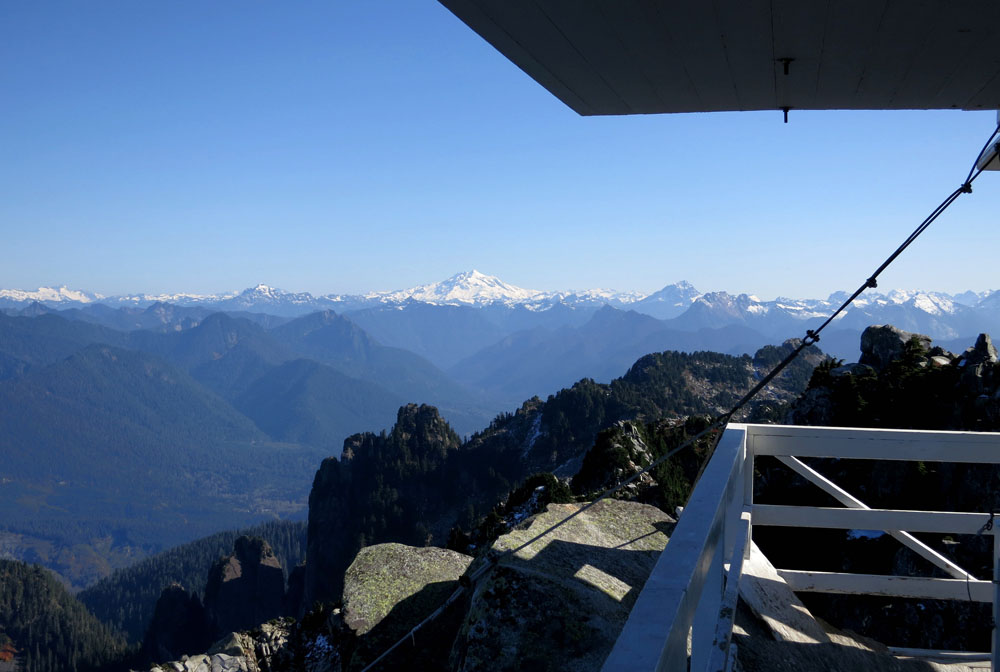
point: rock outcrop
(385, 575)
(246, 588)
(390, 588)
(385, 487)
(884, 343)
(179, 626)
(560, 603)
(263, 649)
(902, 381)
(977, 364)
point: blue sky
(355, 145)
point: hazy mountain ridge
(476, 289)
(207, 427)
(486, 310)
(508, 343)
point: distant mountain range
(217, 409)
(470, 288)
(452, 320)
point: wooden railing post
(995, 649)
(707, 613)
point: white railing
(684, 614)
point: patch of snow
(536, 431)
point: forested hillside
(121, 443)
(47, 628)
(419, 481)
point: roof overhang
(605, 57)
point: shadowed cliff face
(179, 626)
(385, 487)
(245, 588)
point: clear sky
(356, 145)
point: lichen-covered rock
(389, 588)
(382, 576)
(560, 603)
(884, 343)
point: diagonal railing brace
(852, 502)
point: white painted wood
(849, 500)
(748, 468)
(940, 655)
(723, 650)
(655, 634)
(706, 615)
(877, 444)
(935, 522)
(772, 600)
(894, 586)
(995, 647)
(735, 506)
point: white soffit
(650, 56)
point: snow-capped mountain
(669, 302)
(936, 314)
(970, 298)
(469, 288)
(933, 313)
(263, 297)
(47, 295)
(181, 299)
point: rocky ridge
(243, 590)
(560, 603)
(556, 605)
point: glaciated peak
(50, 294)
(468, 287)
(263, 290)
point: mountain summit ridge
(938, 313)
